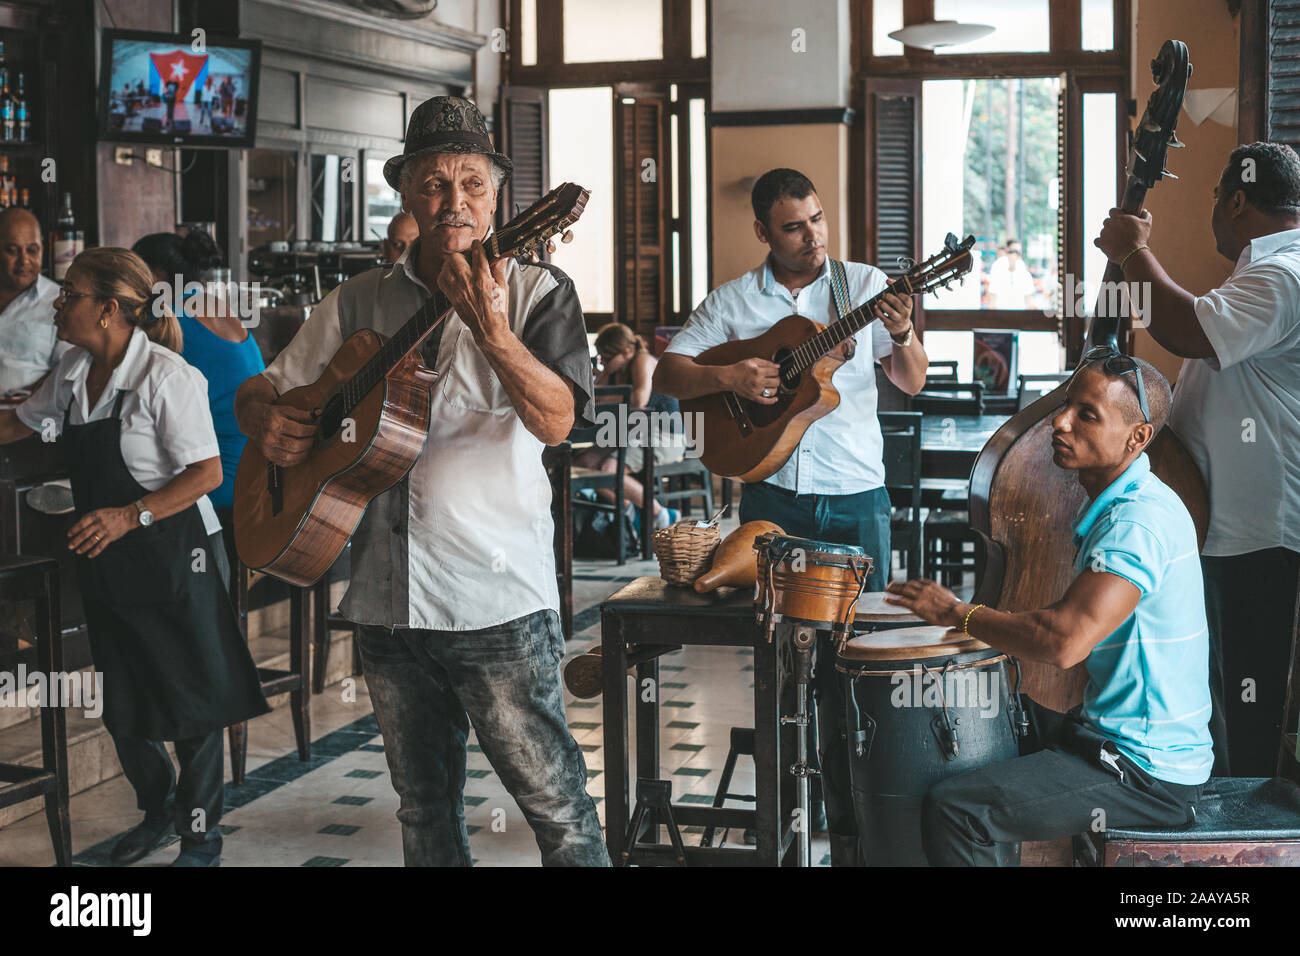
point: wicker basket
(685, 551)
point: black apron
(163, 635)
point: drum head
(872, 609)
(814, 552)
(910, 644)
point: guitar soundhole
(790, 378)
(332, 417)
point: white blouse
(166, 422)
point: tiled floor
(338, 808)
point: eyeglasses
(66, 293)
(1119, 364)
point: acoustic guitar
(751, 441)
(372, 405)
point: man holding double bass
(833, 487)
(1237, 408)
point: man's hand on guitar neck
(479, 293)
(284, 435)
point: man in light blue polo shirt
(1138, 749)
(832, 488)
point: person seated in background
(28, 344)
(627, 361)
(216, 343)
(1138, 749)
(402, 231)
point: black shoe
(140, 841)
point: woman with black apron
(151, 567)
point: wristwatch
(907, 339)
(146, 516)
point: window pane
(382, 201)
(699, 30)
(582, 151)
(952, 347)
(886, 16)
(1021, 25)
(1100, 177)
(1040, 354)
(992, 174)
(600, 30)
(699, 205)
(528, 32)
(1098, 18)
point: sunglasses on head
(1119, 364)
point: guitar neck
(829, 338)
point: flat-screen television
(168, 89)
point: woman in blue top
(216, 342)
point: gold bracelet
(966, 623)
(1123, 262)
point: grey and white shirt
(28, 345)
(466, 541)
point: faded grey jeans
(428, 687)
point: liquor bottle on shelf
(24, 199)
(67, 239)
(24, 122)
(8, 130)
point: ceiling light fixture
(939, 33)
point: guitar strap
(840, 292)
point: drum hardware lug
(803, 770)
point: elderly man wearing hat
(453, 576)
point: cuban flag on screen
(185, 68)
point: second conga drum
(923, 703)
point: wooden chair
(944, 370)
(901, 452)
(557, 459)
(683, 473)
(36, 579)
(581, 478)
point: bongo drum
(922, 703)
(873, 612)
(815, 583)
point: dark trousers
(1064, 786)
(1250, 603)
(427, 688)
(201, 784)
(861, 519)
(160, 794)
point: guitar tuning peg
(1175, 143)
(550, 247)
(1151, 127)
(1167, 174)
(568, 233)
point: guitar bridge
(274, 488)
(738, 414)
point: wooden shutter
(521, 135)
(894, 157)
(1284, 72)
(643, 169)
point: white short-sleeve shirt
(840, 453)
(28, 344)
(166, 422)
(1239, 412)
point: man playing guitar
(453, 575)
(832, 488)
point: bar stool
(742, 742)
(35, 578)
(294, 681)
(323, 623)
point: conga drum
(923, 703)
(815, 583)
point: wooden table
(648, 618)
(951, 443)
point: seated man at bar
(453, 573)
(1138, 749)
(29, 347)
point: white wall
(755, 66)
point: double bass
(1022, 505)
